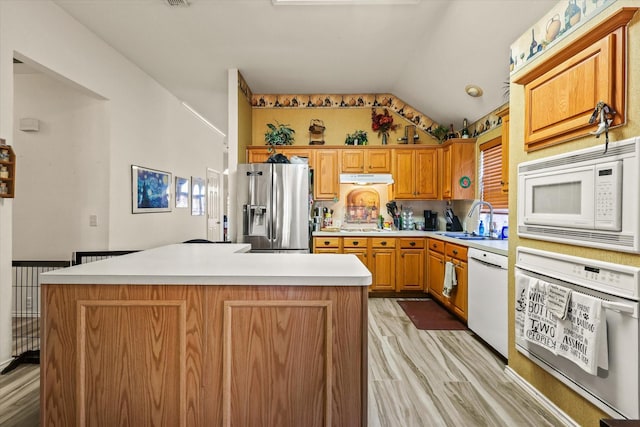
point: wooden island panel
(168, 355)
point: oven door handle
(618, 306)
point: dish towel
(557, 299)
(522, 289)
(582, 336)
(449, 279)
(539, 324)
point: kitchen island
(205, 335)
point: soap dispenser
(481, 228)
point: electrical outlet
(93, 220)
(29, 303)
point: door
(254, 205)
(214, 207)
(290, 207)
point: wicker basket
(316, 126)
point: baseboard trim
(548, 404)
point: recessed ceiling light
(473, 90)
(345, 2)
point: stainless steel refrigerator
(273, 205)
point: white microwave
(585, 197)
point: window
(491, 175)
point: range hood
(366, 178)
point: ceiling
(424, 53)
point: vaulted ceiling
(424, 53)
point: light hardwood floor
(440, 378)
(416, 379)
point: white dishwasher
(487, 298)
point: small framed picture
(198, 196)
(183, 191)
(150, 190)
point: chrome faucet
(479, 203)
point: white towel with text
(582, 336)
(539, 324)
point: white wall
(63, 172)
(144, 125)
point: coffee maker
(430, 220)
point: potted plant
(279, 134)
(440, 133)
(359, 137)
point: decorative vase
(384, 138)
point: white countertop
(500, 247)
(215, 264)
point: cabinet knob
(455, 252)
(327, 243)
(402, 255)
(412, 243)
(384, 243)
(355, 243)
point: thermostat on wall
(29, 125)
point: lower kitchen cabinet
(410, 264)
(383, 264)
(435, 268)
(358, 246)
(327, 245)
(439, 253)
(457, 255)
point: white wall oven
(568, 348)
(585, 197)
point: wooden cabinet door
(410, 269)
(463, 170)
(305, 153)
(446, 172)
(257, 154)
(403, 172)
(458, 299)
(435, 274)
(383, 269)
(426, 174)
(326, 185)
(377, 160)
(361, 253)
(327, 245)
(352, 161)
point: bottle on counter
(481, 228)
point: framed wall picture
(150, 190)
(198, 196)
(183, 190)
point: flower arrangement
(382, 123)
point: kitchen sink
(463, 236)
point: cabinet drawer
(436, 245)
(327, 242)
(416, 243)
(354, 242)
(456, 251)
(379, 242)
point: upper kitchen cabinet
(459, 169)
(415, 172)
(561, 93)
(260, 154)
(326, 184)
(366, 160)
